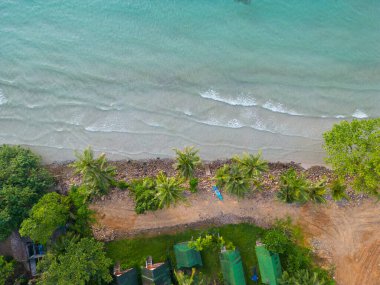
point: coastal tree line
(28, 204)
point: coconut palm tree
(252, 165)
(338, 190)
(293, 187)
(187, 160)
(316, 192)
(232, 179)
(169, 190)
(95, 172)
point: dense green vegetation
(338, 190)
(133, 252)
(79, 262)
(151, 194)
(6, 270)
(22, 182)
(353, 149)
(145, 195)
(50, 213)
(295, 187)
(243, 174)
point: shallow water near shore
(136, 78)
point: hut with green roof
(269, 264)
(186, 256)
(232, 267)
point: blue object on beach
(217, 192)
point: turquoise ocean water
(136, 78)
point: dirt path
(348, 237)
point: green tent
(269, 264)
(127, 277)
(156, 274)
(186, 257)
(232, 267)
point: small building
(269, 264)
(34, 252)
(186, 256)
(125, 277)
(232, 267)
(155, 273)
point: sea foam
(359, 114)
(279, 108)
(239, 101)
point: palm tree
(338, 190)
(187, 161)
(233, 180)
(316, 192)
(221, 175)
(293, 187)
(169, 190)
(95, 172)
(252, 165)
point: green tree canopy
(83, 262)
(22, 181)
(20, 167)
(6, 270)
(96, 174)
(51, 212)
(353, 149)
(81, 216)
(14, 206)
(186, 161)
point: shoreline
(128, 169)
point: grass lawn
(133, 252)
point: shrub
(193, 185)
(304, 277)
(145, 195)
(338, 190)
(275, 240)
(186, 161)
(316, 192)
